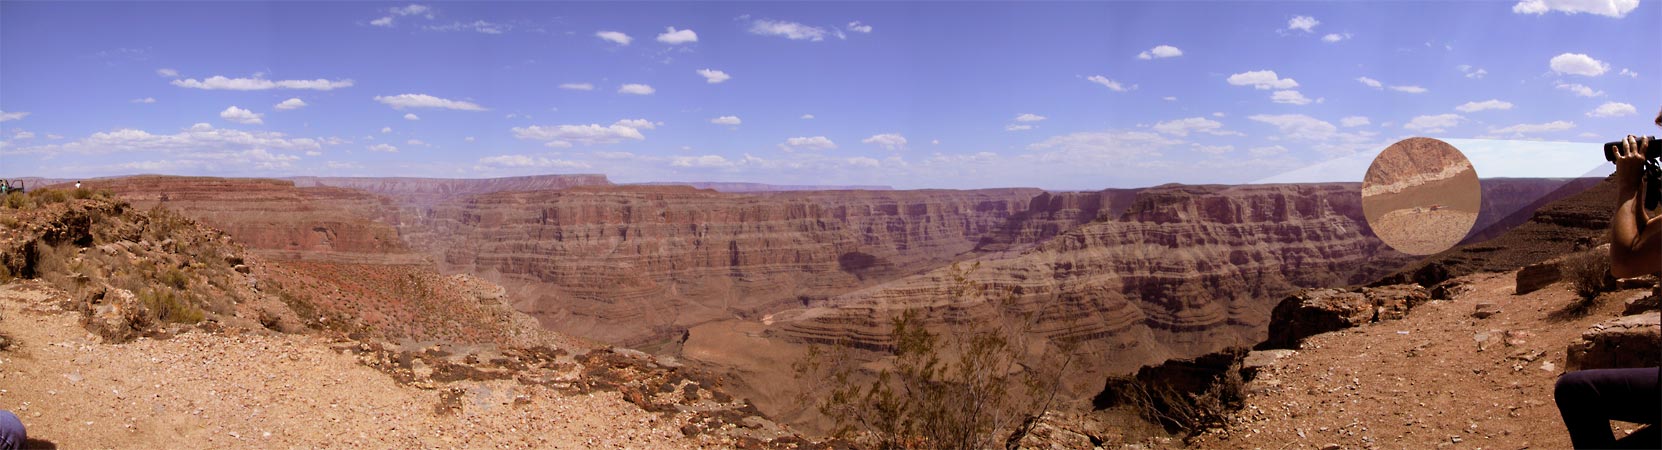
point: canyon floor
(1438, 378)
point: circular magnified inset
(1421, 196)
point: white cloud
(382, 22)
(1298, 126)
(477, 25)
(713, 76)
(673, 36)
(1353, 121)
(726, 120)
(1322, 136)
(259, 84)
(10, 116)
(1434, 123)
(1017, 127)
(1472, 72)
(1289, 97)
(788, 30)
(591, 134)
(313, 153)
(808, 143)
(290, 104)
(577, 86)
(144, 100)
(416, 142)
(1260, 152)
(1100, 148)
(1613, 109)
(1169, 98)
(1160, 51)
(411, 116)
(1409, 89)
(636, 89)
(701, 161)
(1608, 8)
(890, 141)
(241, 116)
(858, 27)
(1030, 117)
(616, 37)
(23, 134)
(1111, 84)
(1483, 106)
(200, 137)
(1214, 149)
(1303, 23)
(166, 72)
(1529, 128)
(1369, 82)
(469, 139)
(1262, 79)
(1629, 73)
(1580, 89)
(807, 116)
(1182, 127)
(402, 101)
(412, 10)
(385, 130)
(1335, 37)
(384, 148)
(1578, 64)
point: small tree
(973, 386)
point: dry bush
(971, 386)
(1589, 275)
(81, 193)
(49, 196)
(166, 305)
(17, 200)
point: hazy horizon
(1059, 96)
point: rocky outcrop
(1317, 311)
(273, 216)
(1624, 342)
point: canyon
(743, 283)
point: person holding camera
(1589, 399)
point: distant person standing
(77, 184)
(1589, 399)
(5, 187)
(11, 431)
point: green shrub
(82, 193)
(176, 279)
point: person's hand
(1630, 160)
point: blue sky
(912, 95)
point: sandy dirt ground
(219, 390)
(1439, 378)
(1423, 232)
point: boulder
(1450, 289)
(1623, 342)
(1533, 277)
(1315, 311)
(1393, 302)
(1643, 302)
(1486, 309)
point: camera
(1653, 151)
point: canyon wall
(639, 264)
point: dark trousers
(1589, 399)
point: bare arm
(1635, 239)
